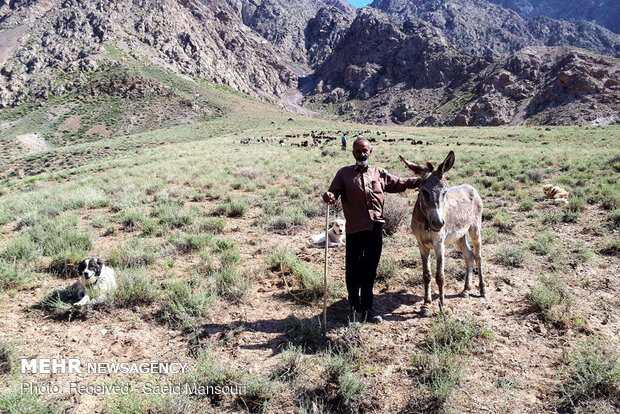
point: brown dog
(555, 193)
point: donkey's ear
(417, 169)
(445, 166)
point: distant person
(343, 141)
(362, 189)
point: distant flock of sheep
(320, 138)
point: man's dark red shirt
(362, 191)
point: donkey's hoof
(464, 294)
(484, 294)
(425, 311)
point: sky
(360, 3)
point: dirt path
(293, 98)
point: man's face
(361, 152)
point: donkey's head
(433, 188)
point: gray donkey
(444, 215)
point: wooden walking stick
(325, 273)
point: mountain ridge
(367, 65)
(484, 28)
(605, 13)
(406, 72)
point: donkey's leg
(469, 260)
(476, 239)
(425, 254)
(439, 275)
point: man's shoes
(372, 316)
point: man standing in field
(362, 189)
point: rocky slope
(324, 32)
(384, 72)
(555, 86)
(605, 13)
(430, 62)
(482, 28)
(375, 53)
(257, 47)
(73, 38)
(283, 22)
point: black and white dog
(96, 278)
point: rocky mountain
(375, 53)
(554, 86)
(426, 62)
(72, 38)
(283, 22)
(324, 32)
(605, 13)
(258, 47)
(410, 73)
(483, 28)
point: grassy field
(205, 233)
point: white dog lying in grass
(96, 278)
(336, 235)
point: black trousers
(362, 260)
